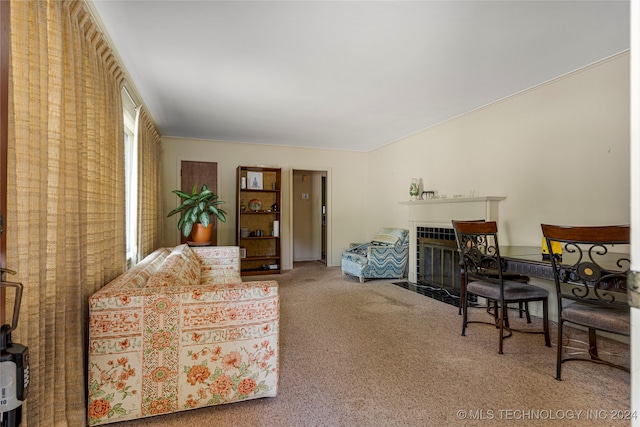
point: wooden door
(200, 173)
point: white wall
(346, 201)
(558, 152)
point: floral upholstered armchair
(385, 256)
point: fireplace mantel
(439, 213)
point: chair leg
(526, 311)
(489, 302)
(463, 301)
(559, 352)
(463, 289)
(464, 314)
(524, 307)
(545, 321)
(593, 347)
(495, 312)
(520, 309)
(503, 313)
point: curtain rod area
(133, 101)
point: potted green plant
(196, 209)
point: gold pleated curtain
(66, 194)
(150, 210)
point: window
(131, 178)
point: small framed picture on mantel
(254, 180)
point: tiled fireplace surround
(432, 219)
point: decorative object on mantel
(427, 195)
(413, 189)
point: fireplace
(433, 257)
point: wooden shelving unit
(258, 208)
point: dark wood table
(526, 260)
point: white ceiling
(346, 75)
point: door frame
(635, 200)
(5, 14)
(328, 171)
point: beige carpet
(375, 354)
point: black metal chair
(485, 277)
(523, 307)
(593, 278)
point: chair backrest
(453, 222)
(393, 236)
(479, 250)
(588, 270)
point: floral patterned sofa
(180, 330)
(385, 256)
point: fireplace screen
(439, 264)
